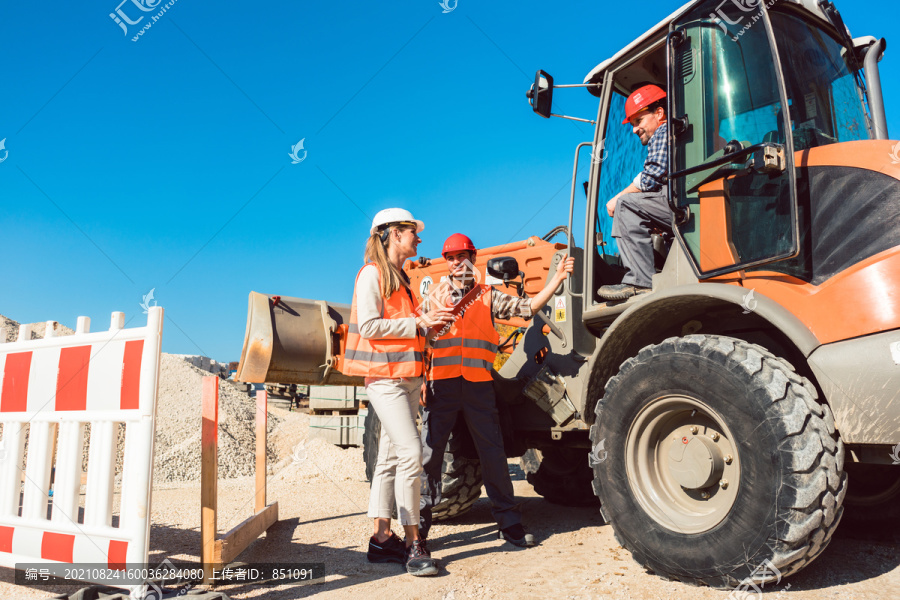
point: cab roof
(661, 29)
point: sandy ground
(322, 520)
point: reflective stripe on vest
(382, 357)
(469, 348)
(475, 363)
(484, 345)
(393, 358)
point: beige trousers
(397, 476)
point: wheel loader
(728, 419)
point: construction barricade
(49, 390)
(215, 552)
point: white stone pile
(179, 418)
(205, 363)
(11, 329)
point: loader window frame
(622, 158)
(825, 95)
(730, 82)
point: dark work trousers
(448, 399)
(635, 215)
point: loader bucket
(294, 340)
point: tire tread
(460, 477)
(810, 502)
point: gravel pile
(37, 329)
(178, 423)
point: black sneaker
(621, 291)
(418, 560)
(516, 535)
(391, 550)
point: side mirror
(541, 94)
(503, 267)
(507, 269)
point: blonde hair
(376, 252)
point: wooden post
(261, 423)
(216, 553)
(209, 475)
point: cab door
(731, 163)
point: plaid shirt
(653, 177)
(503, 306)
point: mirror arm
(519, 285)
(574, 119)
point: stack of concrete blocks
(337, 414)
(205, 363)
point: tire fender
(661, 315)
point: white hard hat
(394, 215)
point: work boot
(621, 291)
(516, 535)
(418, 560)
(391, 550)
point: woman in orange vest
(385, 344)
(460, 384)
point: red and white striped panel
(32, 544)
(49, 389)
(103, 376)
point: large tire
(761, 428)
(371, 435)
(460, 477)
(561, 475)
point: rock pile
(178, 414)
(37, 329)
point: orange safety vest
(393, 358)
(469, 347)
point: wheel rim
(682, 464)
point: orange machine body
(860, 300)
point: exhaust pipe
(294, 340)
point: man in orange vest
(460, 384)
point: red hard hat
(457, 242)
(640, 99)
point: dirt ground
(322, 504)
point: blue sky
(163, 163)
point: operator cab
(729, 73)
(624, 158)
